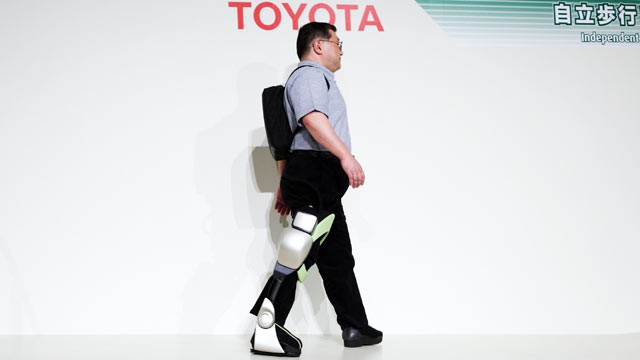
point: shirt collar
(326, 71)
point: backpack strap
(300, 67)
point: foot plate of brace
(258, 352)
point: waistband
(314, 153)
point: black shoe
(359, 337)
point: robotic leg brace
(270, 338)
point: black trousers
(317, 179)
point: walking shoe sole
(362, 342)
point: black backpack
(276, 122)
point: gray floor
(440, 347)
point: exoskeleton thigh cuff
(305, 222)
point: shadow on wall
(236, 183)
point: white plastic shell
(305, 222)
(294, 248)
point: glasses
(339, 43)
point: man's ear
(317, 47)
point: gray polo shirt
(306, 91)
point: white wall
(136, 189)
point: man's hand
(318, 125)
(281, 208)
(354, 171)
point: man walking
(314, 178)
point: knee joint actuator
(297, 240)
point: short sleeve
(308, 93)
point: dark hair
(309, 33)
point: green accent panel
(324, 238)
(323, 228)
(302, 273)
(320, 232)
